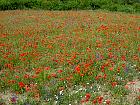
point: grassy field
(69, 58)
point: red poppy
(100, 99)
(139, 98)
(23, 54)
(105, 76)
(16, 76)
(60, 71)
(47, 68)
(111, 68)
(53, 75)
(94, 101)
(27, 88)
(21, 84)
(87, 95)
(81, 75)
(26, 76)
(123, 58)
(77, 68)
(87, 65)
(114, 84)
(108, 102)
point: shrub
(126, 8)
(103, 4)
(71, 5)
(137, 7)
(19, 4)
(112, 5)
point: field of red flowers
(69, 58)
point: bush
(71, 5)
(112, 5)
(51, 5)
(137, 7)
(84, 4)
(123, 2)
(19, 4)
(126, 8)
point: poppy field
(69, 58)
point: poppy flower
(47, 68)
(100, 99)
(21, 84)
(108, 102)
(114, 84)
(94, 101)
(77, 68)
(60, 71)
(87, 95)
(23, 54)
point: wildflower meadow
(69, 58)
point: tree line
(111, 5)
